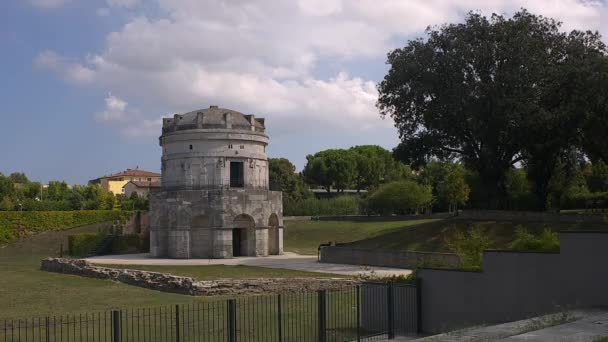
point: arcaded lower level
(216, 223)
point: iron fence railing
(363, 313)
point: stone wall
(199, 223)
(191, 286)
(399, 259)
(138, 223)
(530, 216)
(516, 285)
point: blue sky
(85, 83)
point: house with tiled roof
(115, 182)
(142, 189)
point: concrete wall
(516, 285)
(399, 259)
(530, 216)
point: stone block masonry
(398, 259)
(215, 200)
(190, 286)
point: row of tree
(17, 192)
(498, 93)
(360, 167)
(392, 185)
(440, 185)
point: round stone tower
(214, 201)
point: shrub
(15, 224)
(579, 200)
(400, 197)
(469, 246)
(83, 243)
(547, 241)
(341, 205)
(130, 243)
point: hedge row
(16, 224)
(592, 200)
(130, 243)
(341, 205)
(83, 243)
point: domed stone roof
(213, 117)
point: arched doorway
(243, 236)
(273, 235)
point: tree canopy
(495, 92)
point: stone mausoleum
(214, 200)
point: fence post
(321, 315)
(48, 333)
(279, 317)
(177, 337)
(390, 311)
(61, 250)
(231, 320)
(116, 326)
(419, 305)
(358, 313)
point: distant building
(115, 182)
(142, 189)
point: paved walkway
(586, 326)
(290, 261)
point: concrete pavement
(290, 261)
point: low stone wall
(398, 259)
(530, 216)
(369, 218)
(191, 286)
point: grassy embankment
(417, 235)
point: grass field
(417, 235)
(25, 291)
(304, 237)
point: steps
(104, 246)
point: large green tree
(283, 177)
(375, 165)
(492, 92)
(330, 168)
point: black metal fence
(367, 312)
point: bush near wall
(81, 244)
(341, 205)
(130, 243)
(15, 224)
(584, 200)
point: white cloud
(262, 57)
(103, 12)
(114, 110)
(68, 70)
(122, 3)
(128, 121)
(44, 4)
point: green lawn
(25, 291)
(304, 237)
